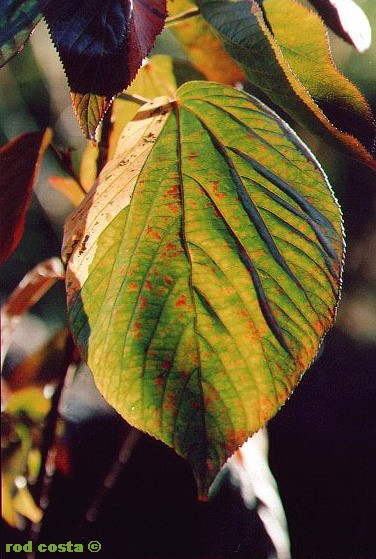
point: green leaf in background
(16, 501)
(203, 271)
(22, 414)
(17, 20)
(248, 39)
(302, 38)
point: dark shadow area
(323, 454)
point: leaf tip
(90, 110)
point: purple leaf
(102, 45)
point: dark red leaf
(19, 162)
(146, 23)
(102, 45)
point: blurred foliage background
(322, 443)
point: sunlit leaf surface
(203, 271)
(348, 20)
(302, 38)
(155, 78)
(248, 38)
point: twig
(112, 476)
(173, 20)
(134, 97)
(104, 142)
(41, 487)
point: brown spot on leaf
(182, 301)
(219, 195)
(83, 245)
(153, 233)
(173, 192)
(174, 208)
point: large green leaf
(203, 270)
(249, 40)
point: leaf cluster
(204, 257)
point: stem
(112, 476)
(134, 97)
(104, 142)
(42, 484)
(173, 20)
(53, 416)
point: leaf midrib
(189, 257)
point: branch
(134, 97)
(188, 14)
(48, 437)
(104, 142)
(112, 476)
(42, 485)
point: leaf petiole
(173, 20)
(134, 97)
